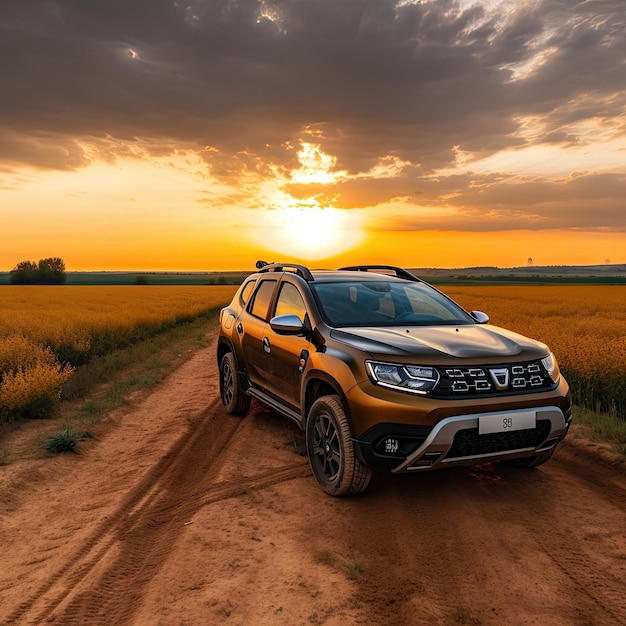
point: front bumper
(456, 440)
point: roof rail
(398, 271)
(300, 270)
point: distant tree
(141, 280)
(49, 271)
(52, 271)
(24, 273)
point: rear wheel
(234, 400)
(331, 451)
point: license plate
(504, 422)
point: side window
(246, 291)
(260, 302)
(290, 302)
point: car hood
(465, 342)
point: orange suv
(383, 371)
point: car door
(287, 354)
(251, 328)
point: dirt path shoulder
(180, 514)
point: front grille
(484, 380)
(469, 443)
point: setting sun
(404, 132)
(315, 233)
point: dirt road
(180, 514)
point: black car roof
(328, 276)
(364, 272)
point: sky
(206, 134)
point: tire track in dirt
(105, 536)
(103, 581)
(475, 545)
(414, 555)
(493, 545)
(566, 545)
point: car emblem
(500, 377)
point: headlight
(411, 378)
(551, 366)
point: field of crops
(585, 326)
(45, 332)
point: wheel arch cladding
(319, 386)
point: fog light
(391, 445)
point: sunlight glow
(307, 228)
(315, 166)
(316, 233)
(272, 15)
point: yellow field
(585, 326)
(47, 330)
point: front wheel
(234, 400)
(331, 451)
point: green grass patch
(353, 569)
(598, 393)
(602, 427)
(66, 440)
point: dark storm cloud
(592, 202)
(376, 77)
(485, 202)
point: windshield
(386, 303)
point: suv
(383, 371)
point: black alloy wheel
(331, 451)
(234, 400)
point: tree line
(45, 272)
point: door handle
(266, 345)
(240, 328)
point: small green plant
(354, 569)
(66, 440)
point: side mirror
(287, 325)
(480, 317)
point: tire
(234, 400)
(331, 451)
(532, 461)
